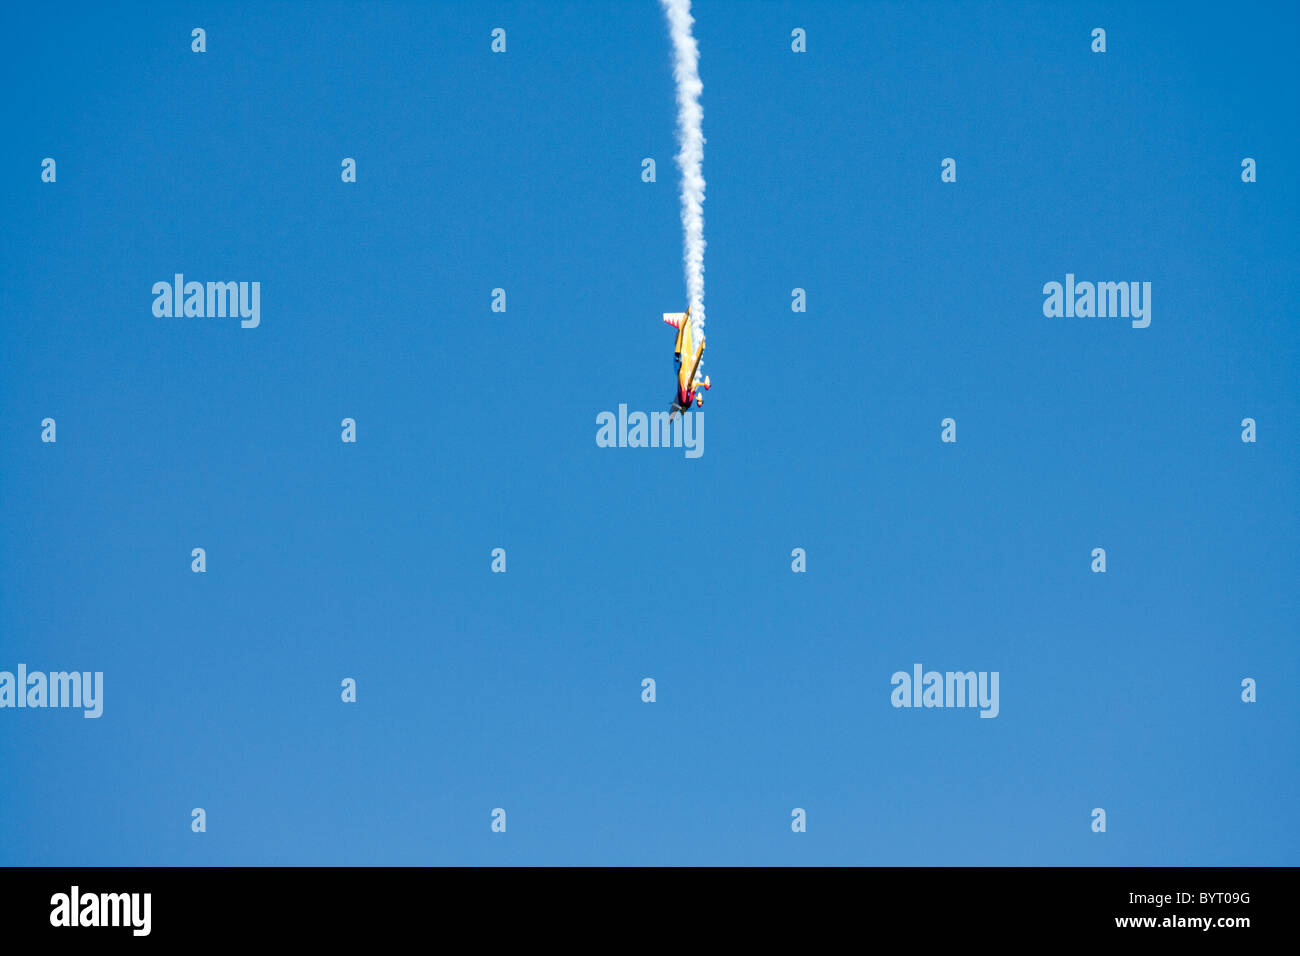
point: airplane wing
(674, 319)
(696, 367)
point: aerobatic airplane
(687, 387)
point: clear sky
(476, 430)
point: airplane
(687, 387)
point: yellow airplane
(687, 387)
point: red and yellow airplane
(687, 387)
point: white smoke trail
(690, 159)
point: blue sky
(477, 430)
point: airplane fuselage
(688, 358)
